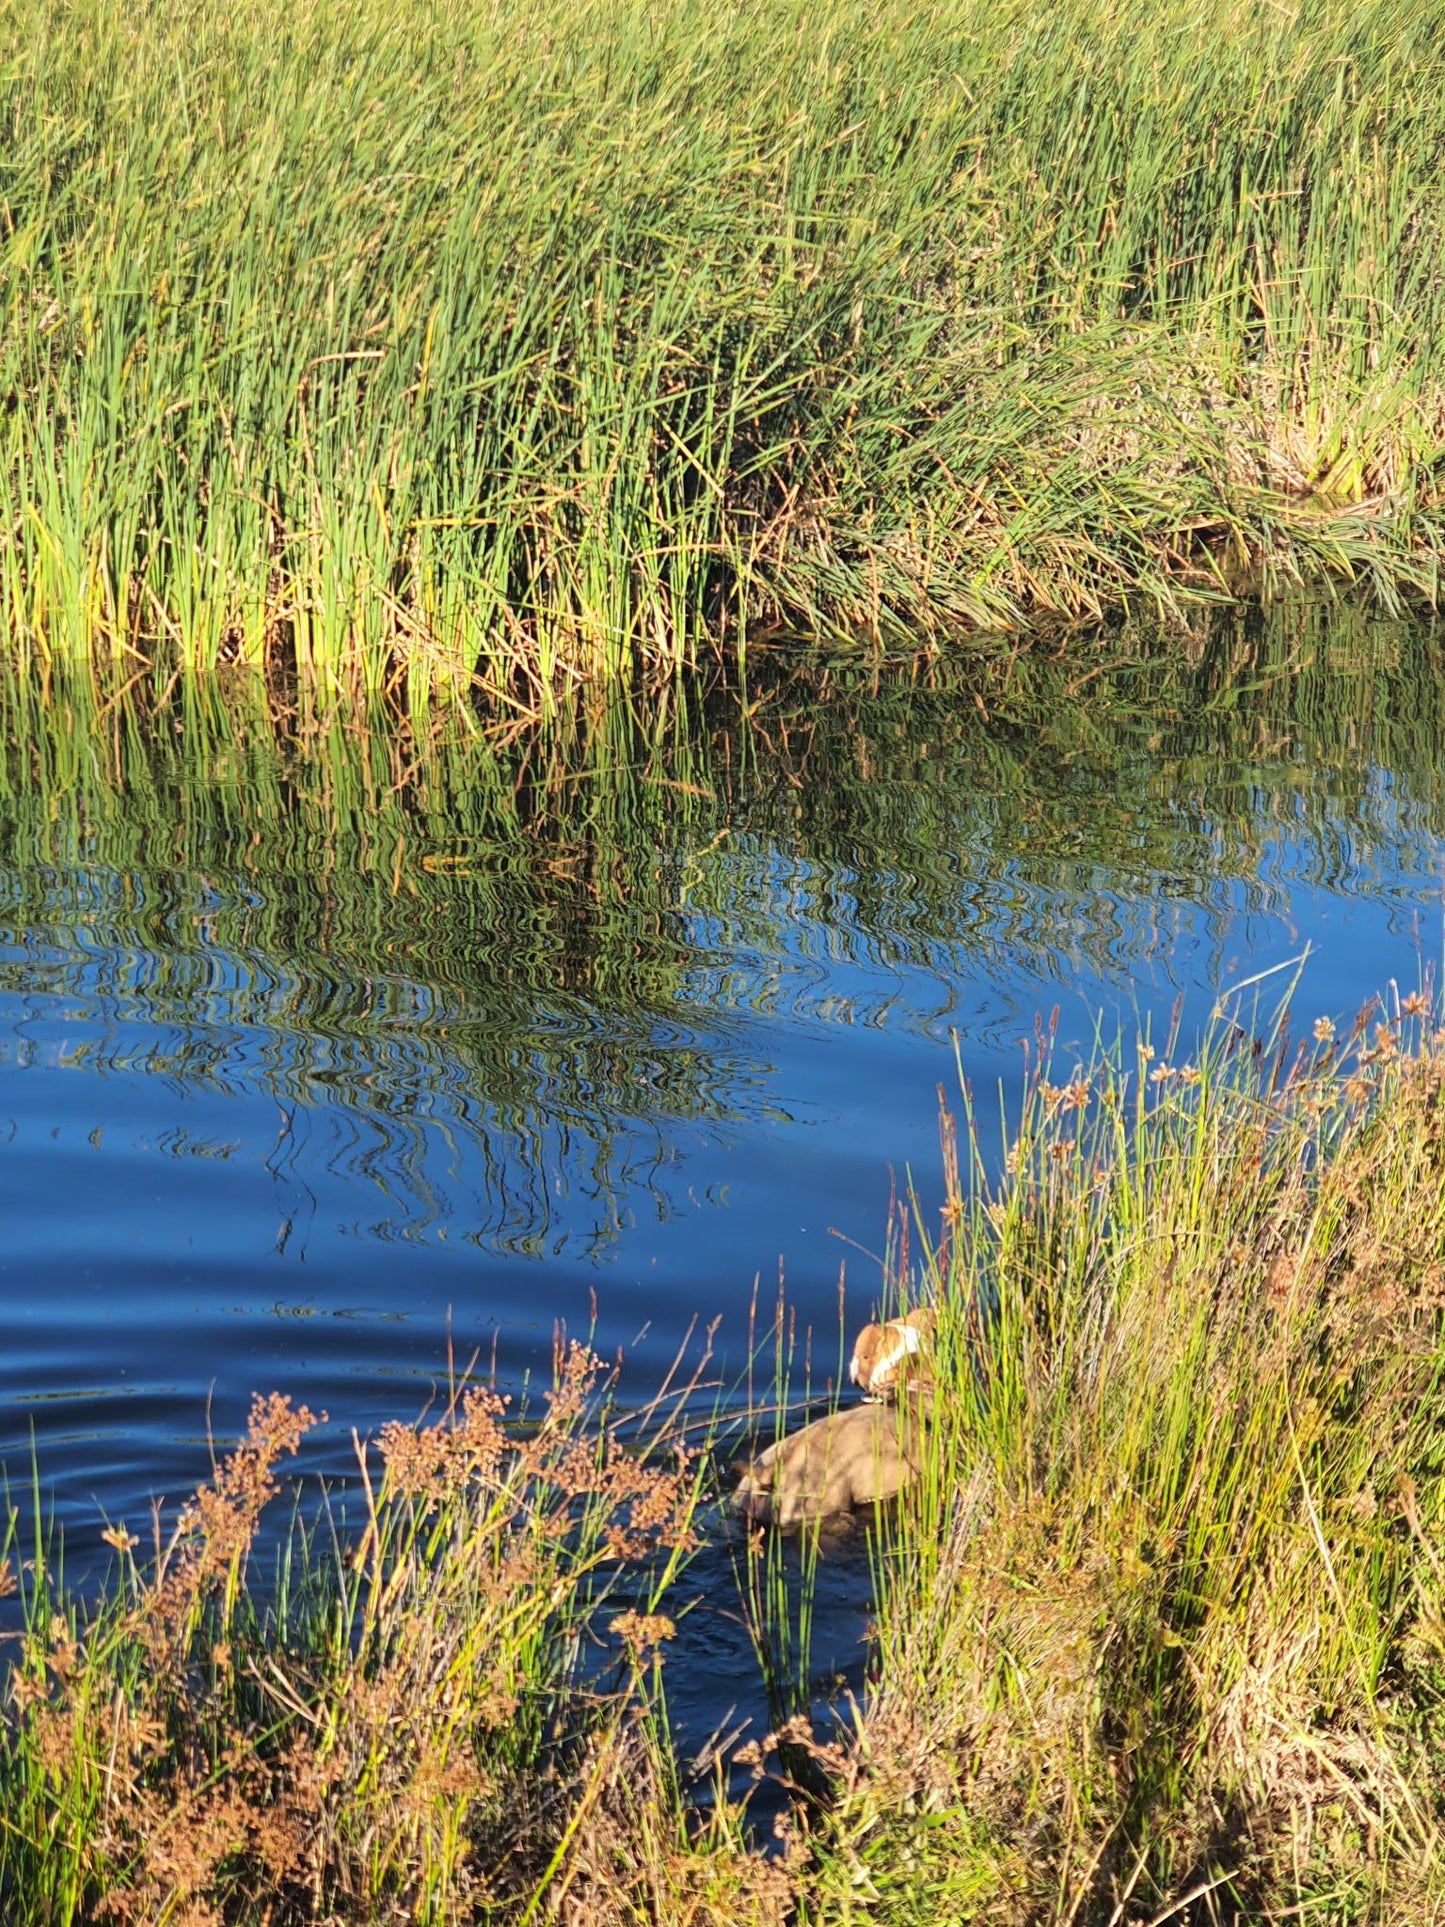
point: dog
(893, 1356)
(863, 1456)
(860, 1457)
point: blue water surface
(267, 1121)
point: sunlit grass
(1163, 1619)
(409, 345)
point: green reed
(1159, 1631)
(405, 345)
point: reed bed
(421, 347)
(1160, 1636)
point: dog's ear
(865, 1355)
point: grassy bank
(1159, 1637)
(411, 344)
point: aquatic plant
(394, 1725)
(406, 348)
(1159, 1633)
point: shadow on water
(321, 1046)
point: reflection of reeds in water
(549, 945)
(400, 968)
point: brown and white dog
(860, 1457)
(893, 1356)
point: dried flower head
(641, 1631)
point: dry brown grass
(400, 1732)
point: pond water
(318, 1055)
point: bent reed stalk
(1160, 1632)
(523, 344)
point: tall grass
(407, 345)
(1160, 1635)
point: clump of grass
(397, 1728)
(1160, 1636)
(407, 348)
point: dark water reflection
(314, 1051)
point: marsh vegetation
(414, 422)
(430, 348)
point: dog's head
(892, 1356)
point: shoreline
(551, 346)
(1187, 1495)
(1385, 556)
